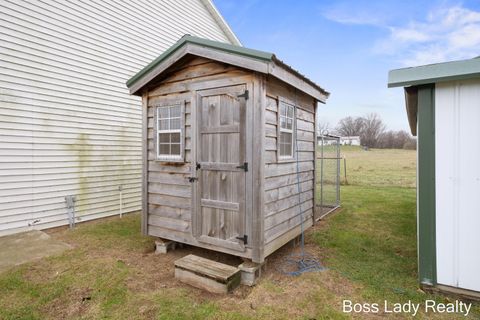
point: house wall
(168, 192)
(68, 125)
(283, 213)
(457, 181)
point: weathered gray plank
(183, 191)
(270, 156)
(209, 268)
(199, 71)
(305, 115)
(287, 225)
(276, 88)
(169, 178)
(271, 104)
(169, 212)
(276, 169)
(158, 166)
(287, 190)
(270, 130)
(287, 179)
(270, 144)
(279, 217)
(258, 174)
(305, 125)
(220, 204)
(305, 146)
(169, 223)
(168, 99)
(207, 274)
(275, 243)
(213, 81)
(171, 201)
(200, 282)
(271, 117)
(288, 202)
(305, 136)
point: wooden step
(206, 274)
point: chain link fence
(329, 163)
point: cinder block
(251, 272)
(163, 246)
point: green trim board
(427, 267)
(432, 73)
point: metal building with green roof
(443, 108)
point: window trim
(157, 131)
(293, 131)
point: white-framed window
(170, 132)
(286, 131)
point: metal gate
(327, 190)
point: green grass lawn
(369, 248)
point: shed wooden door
(221, 167)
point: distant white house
(344, 141)
(68, 125)
(350, 141)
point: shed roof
(255, 60)
(411, 78)
(432, 73)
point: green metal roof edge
(251, 53)
(447, 71)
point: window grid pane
(169, 131)
(286, 119)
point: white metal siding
(457, 155)
(68, 125)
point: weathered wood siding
(68, 125)
(284, 207)
(169, 194)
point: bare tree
(386, 140)
(373, 127)
(323, 126)
(371, 130)
(350, 126)
(396, 140)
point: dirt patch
(150, 275)
(74, 303)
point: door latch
(243, 95)
(244, 166)
(198, 166)
(244, 239)
(192, 179)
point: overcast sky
(348, 47)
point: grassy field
(368, 247)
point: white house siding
(457, 183)
(68, 125)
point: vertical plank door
(221, 167)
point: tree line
(373, 132)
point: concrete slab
(28, 246)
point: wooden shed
(228, 148)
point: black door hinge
(198, 166)
(243, 95)
(244, 239)
(192, 179)
(244, 166)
